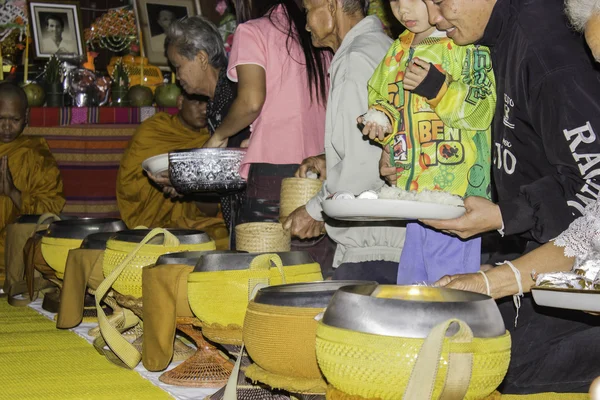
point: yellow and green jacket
(442, 143)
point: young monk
(30, 181)
(143, 203)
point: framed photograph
(56, 28)
(153, 17)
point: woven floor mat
(38, 361)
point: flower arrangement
(120, 75)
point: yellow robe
(35, 173)
(141, 203)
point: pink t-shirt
(290, 127)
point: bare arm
(252, 90)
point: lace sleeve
(582, 235)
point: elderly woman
(195, 48)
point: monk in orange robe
(141, 202)
(30, 181)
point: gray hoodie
(352, 161)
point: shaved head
(11, 92)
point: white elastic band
(487, 283)
(516, 297)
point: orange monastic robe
(141, 203)
(35, 173)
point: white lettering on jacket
(508, 105)
(504, 158)
(588, 164)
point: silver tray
(234, 262)
(185, 236)
(189, 257)
(307, 294)
(82, 227)
(413, 312)
(206, 170)
(96, 241)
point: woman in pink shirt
(282, 90)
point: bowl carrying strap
(423, 377)
(124, 350)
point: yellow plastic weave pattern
(56, 251)
(129, 283)
(374, 366)
(281, 341)
(221, 297)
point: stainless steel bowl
(80, 228)
(411, 311)
(307, 294)
(185, 236)
(229, 261)
(206, 170)
(188, 257)
(33, 218)
(96, 241)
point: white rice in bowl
(378, 118)
(425, 196)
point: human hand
(315, 164)
(482, 216)
(386, 170)
(302, 225)
(415, 73)
(245, 143)
(216, 141)
(469, 282)
(7, 184)
(373, 130)
(162, 179)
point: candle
(141, 63)
(25, 74)
(173, 77)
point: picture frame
(151, 17)
(56, 28)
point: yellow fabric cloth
(35, 173)
(140, 202)
(38, 361)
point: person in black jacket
(546, 167)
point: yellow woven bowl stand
(281, 342)
(375, 366)
(219, 299)
(129, 283)
(56, 251)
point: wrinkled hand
(302, 225)
(386, 170)
(315, 164)
(245, 143)
(469, 282)
(163, 180)
(216, 141)
(415, 73)
(482, 216)
(373, 130)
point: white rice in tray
(377, 117)
(425, 196)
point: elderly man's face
(165, 18)
(190, 73)
(55, 28)
(319, 21)
(13, 117)
(463, 20)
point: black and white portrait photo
(56, 29)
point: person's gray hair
(580, 11)
(191, 35)
(352, 6)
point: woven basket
(376, 366)
(262, 237)
(219, 298)
(129, 283)
(296, 192)
(56, 251)
(281, 342)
